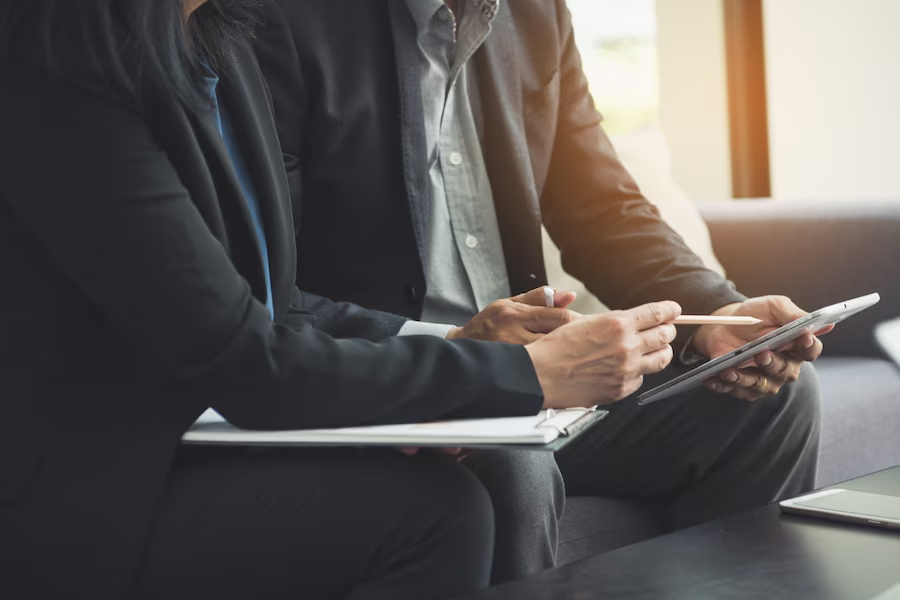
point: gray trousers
(699, 456)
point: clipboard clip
(550, 414)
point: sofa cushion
(861, 417)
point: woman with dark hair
(147, 257)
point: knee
(523, 483)
(463, 508)
(435, 526)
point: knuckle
(667, 355)
(657, 311)
(493, 309)
(631, 345)
(665, 335)
(565, 316)
(785, 365)
(506, 310)
(618, 325)
(625, 351)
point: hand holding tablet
(772, 341)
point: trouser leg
(318, 524)
(528, 496)
(702, 455)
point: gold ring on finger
(765, 384)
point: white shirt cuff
(420, 328)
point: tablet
(771, 341)
(875, 510)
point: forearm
(309, 380)
(342, 319)
(610, 236)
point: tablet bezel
(796, 506)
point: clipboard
(547, 431)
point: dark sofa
(818, 253)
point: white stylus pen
(549, 299)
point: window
(617, 39)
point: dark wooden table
(759, 554)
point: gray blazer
(348, 109)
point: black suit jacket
(133, 299)
(345, 84)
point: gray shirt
(464, 265)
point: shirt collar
(488, 8)
(423, 11)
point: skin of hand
(517, 320)
(767, 372)
(601, 359)
(522, 319)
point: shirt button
(456, 159)
(472, 241)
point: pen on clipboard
(549, 294)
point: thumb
(538, 297)
(535, 297)
(564, 299)
(784, 310)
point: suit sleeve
(277, 56)
(116, 222)
(342, 319)
(609, 235)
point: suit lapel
(244, 93)
(243, 245)
(412, 113)
(506, 153)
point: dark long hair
(124, 45)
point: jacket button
(412, 295)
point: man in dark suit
(426, 143)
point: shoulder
(31, 83)
(38, 104)
(537, 29)
(51, 125)
(548, 14)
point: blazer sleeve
(114, 220)
(341, 319)
(609, 235)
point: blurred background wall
(832, 77)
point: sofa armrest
(817, 253)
